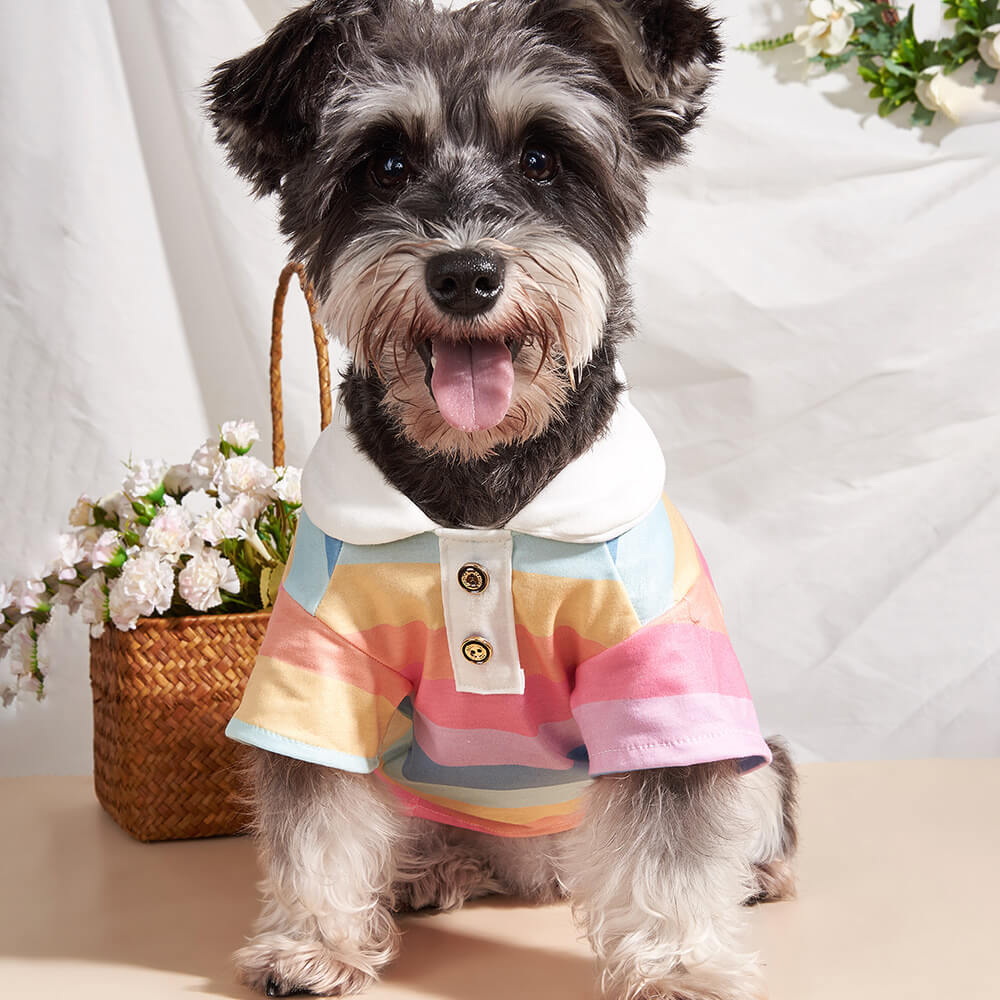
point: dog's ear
(659, 54)
(266, 104)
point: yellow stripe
(687, 565)
(364, 595)
(516, 817)
(315, 709)
(598, 610)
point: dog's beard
(464, 385)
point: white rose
(170, 532)
(206, 574)
(289, 485)
(204, 465)
(240, 434)
(829, 29)
(144, 477)
(82, 514)
(105, 548)
(244, 474)
(146, 585)
(989, 46)
(28, 595)
(940, 93)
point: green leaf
(921, 115)
(984, 73)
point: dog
(497, 663)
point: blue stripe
(333, 547)
(265, 739)
(578, 561)
(416, 549)
(309, 574)
(612, 545)
(645, 561)
(493, 798)
(499, 777)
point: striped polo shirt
(487, 675)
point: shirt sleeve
(673, 692)
(313, 695)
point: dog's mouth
(472, 381)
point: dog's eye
(389, 169)
(539, 164)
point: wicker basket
(163, 693)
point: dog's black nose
(465, 281)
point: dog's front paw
(280, 966)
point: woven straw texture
(163, 693)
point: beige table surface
(899, 898)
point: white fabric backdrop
(819, 355)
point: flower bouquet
(175, 574)
(901, 68)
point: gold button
(473, 578)
(476, 649)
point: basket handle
(322, 359)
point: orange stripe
(294, 636)
(524, 816)
(413, 646)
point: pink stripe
(549, 748)
(672, 659)
(669, 732)
(297, 638)
(544, 702)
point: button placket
(479, 610)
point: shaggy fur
(391, 134)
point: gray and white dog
(440, 173)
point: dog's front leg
(328, 844)
(657, 873)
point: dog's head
(464, 186)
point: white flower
(245, 508)
(19, 645)
(6, 596)
(119, 505)
(72, 552)
(244, 474)
(198, 503)
(91, 603)
(82, 514)
(105, 548)
(219, 524)
(146, 585)
(144, 477)
(175, 480)
(289, 485)
(204, 465)
(240, 434)
(170, 531)
(829, 29)
(28, 595)
(940, 93)
(206, 574)
(989, 46)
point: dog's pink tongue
(472, 383)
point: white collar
(598, 496)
